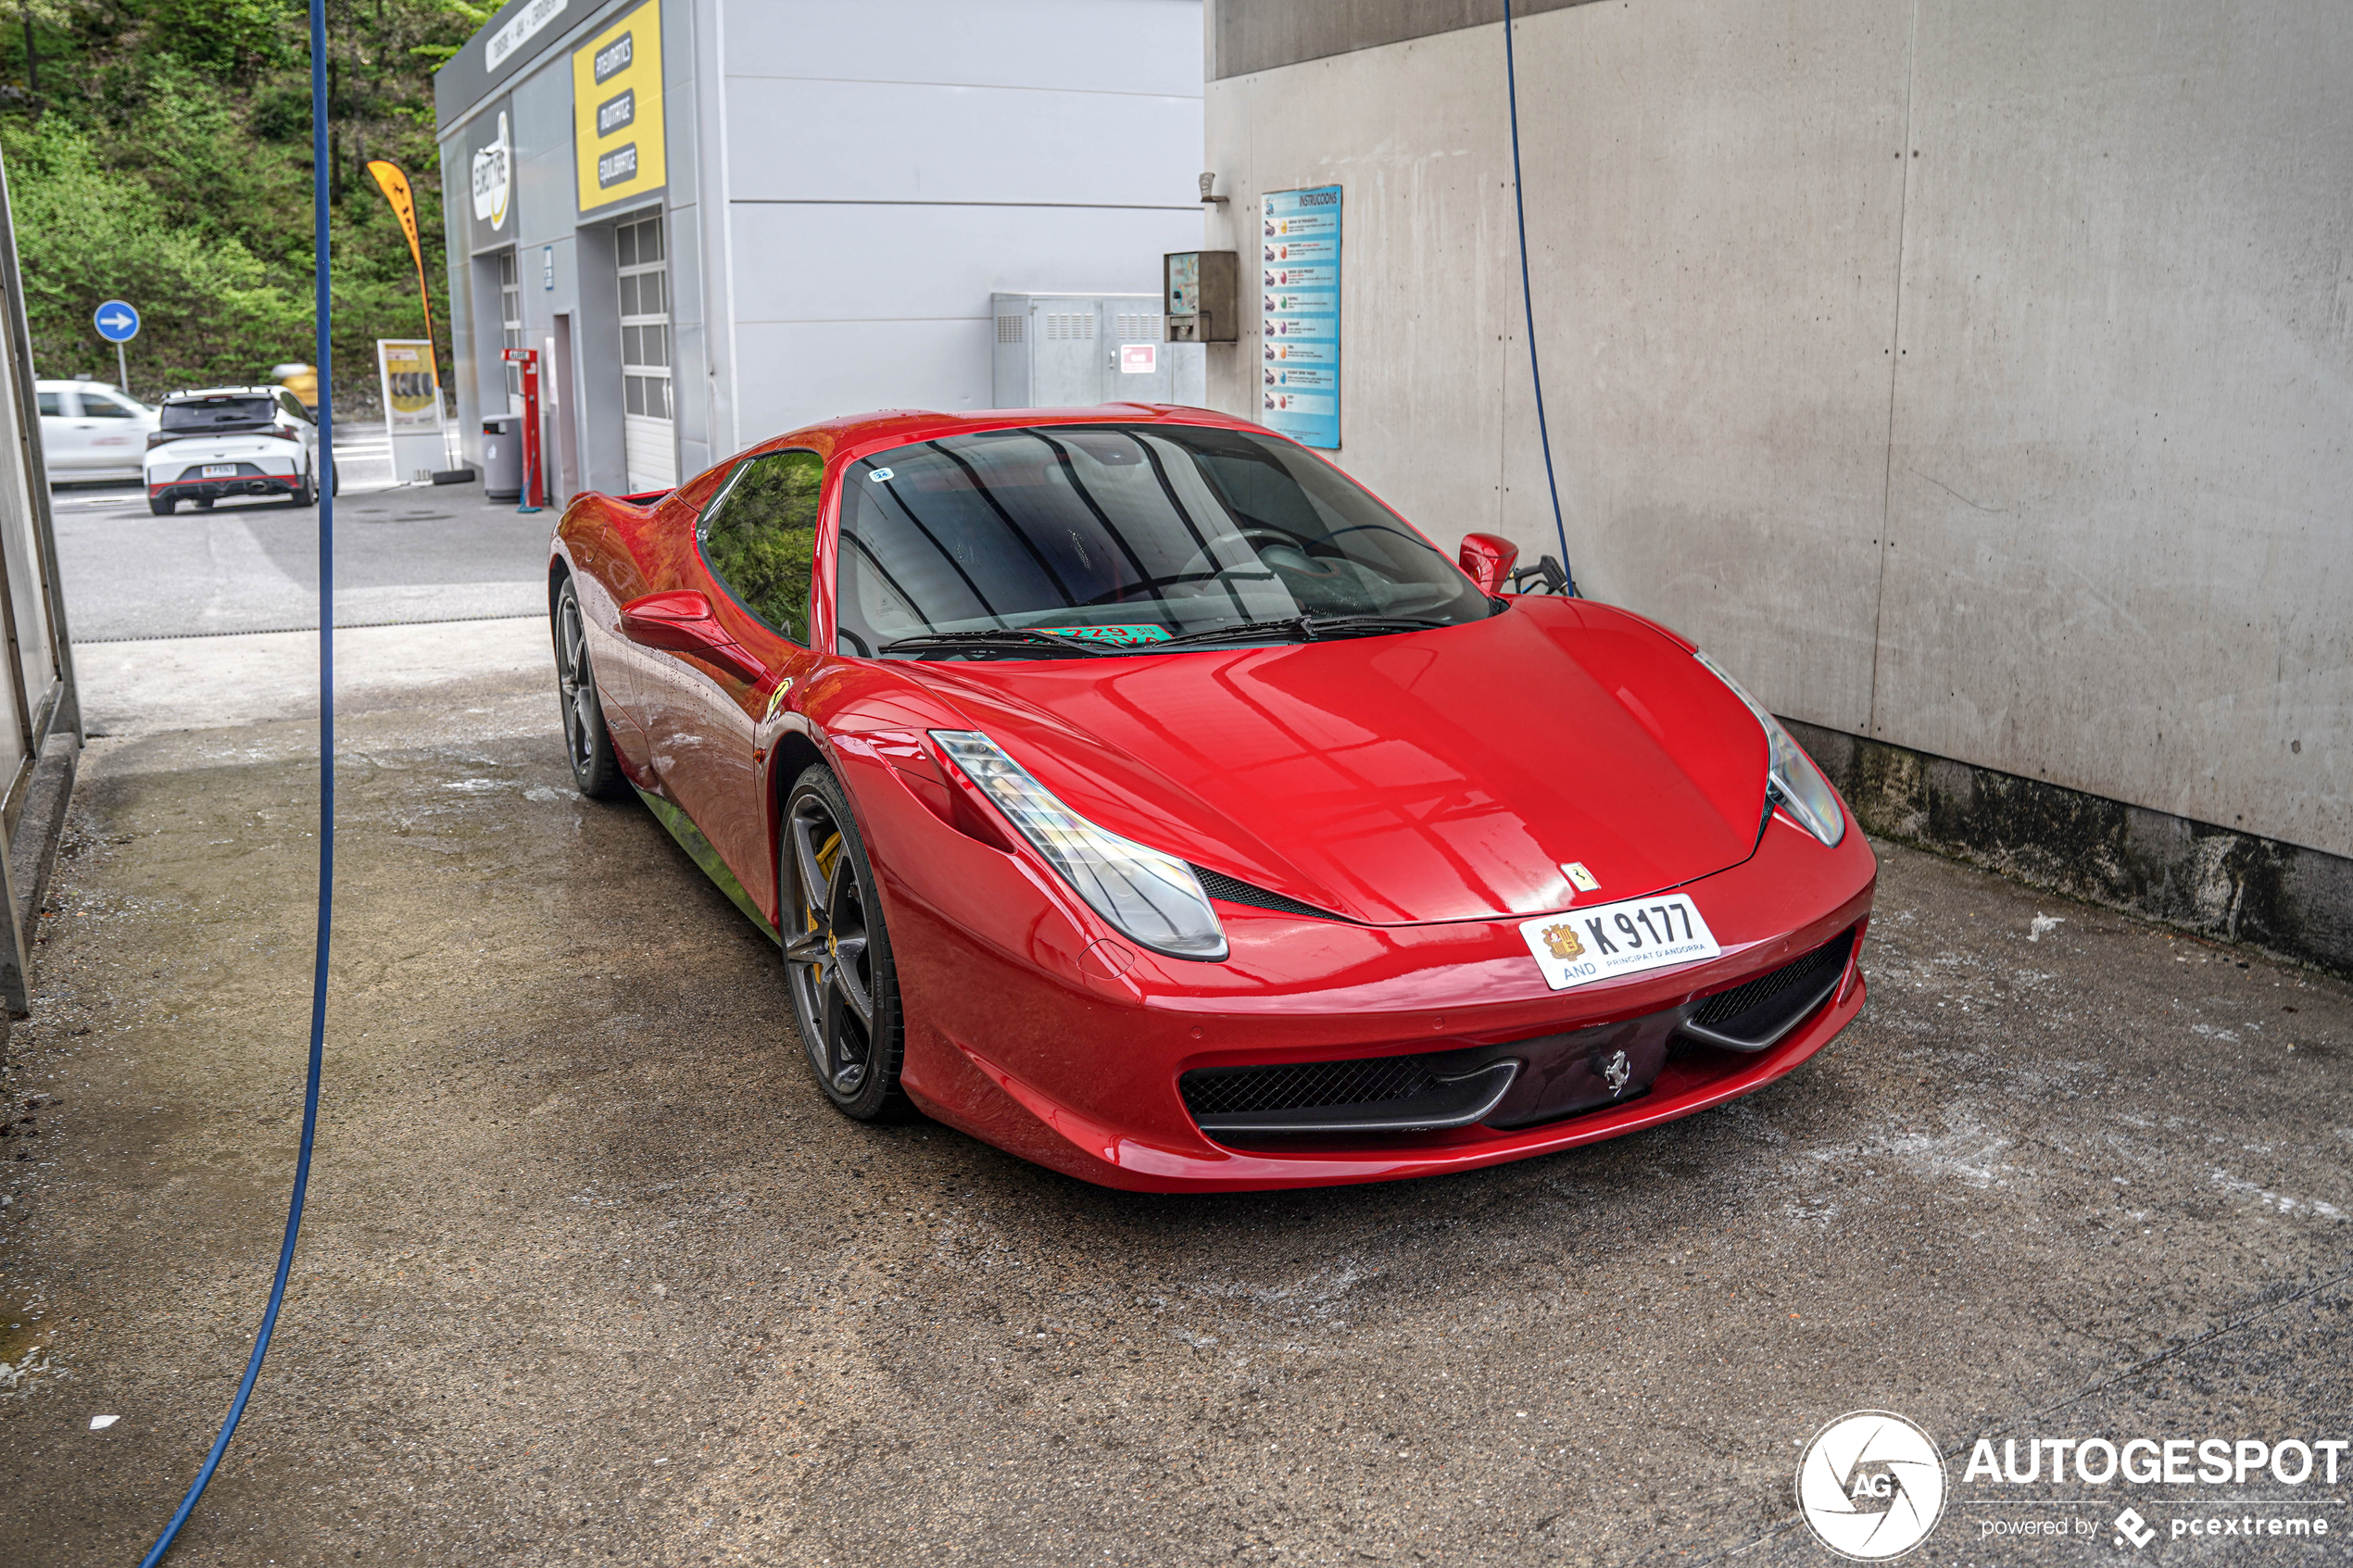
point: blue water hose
(326, 492)
(1527, 298)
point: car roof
(855, 435)
(195, 393)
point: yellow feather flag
(404, 207)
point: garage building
(717, 220)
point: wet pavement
(403, 554)
(592, 1271)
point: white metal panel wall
(893, 163)
(934, 143)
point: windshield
(215, 412)
(1122, 536)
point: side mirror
(681, 622)
(1487, 559)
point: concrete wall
(1974, 378)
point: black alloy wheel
(837, 965)
(586, 741)
(307, 495)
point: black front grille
(1306, 1085)
(1762, 1008)
(1233, 890)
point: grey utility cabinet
(1074, 350)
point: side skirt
(690, 839)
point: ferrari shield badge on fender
(1608, 940)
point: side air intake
(1233, 890)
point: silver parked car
(92, 431)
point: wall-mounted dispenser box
(1201, 290)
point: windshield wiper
(1007, 641)
(1301, 628)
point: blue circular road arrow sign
(117, 323)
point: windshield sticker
(1127, 636)
(878, 475)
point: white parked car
(232, 441)
(91, 430)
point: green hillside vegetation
(158, 151)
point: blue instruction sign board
(115, 321)
(1298, 273)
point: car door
(114, 433)
(64, 434)
(753, 550)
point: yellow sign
(616, 109)
(411, 391)
(404, 204)
(404, 207)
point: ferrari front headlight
(1793, 782)
(1150, 897)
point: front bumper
(1032, 1026)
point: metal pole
(324, 306)
(121, 370)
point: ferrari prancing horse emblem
(1618, 1070)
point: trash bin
(502, 459)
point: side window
(293, 405)
(52, 405)
(761, 537)
(98, 406)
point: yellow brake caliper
(828, 853)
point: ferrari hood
(1440, 775)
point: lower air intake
(1756, 1014)
(1381, 1093)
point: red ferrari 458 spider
(1131, 789)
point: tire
(587, 744)
(334, 476)
(307, 494)
(162, 506)
(837, 960)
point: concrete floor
(592, 1271)
(403, 554)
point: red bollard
(535, 489)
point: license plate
(1609, 940)
(220, 471)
